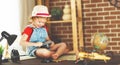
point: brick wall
(98, 16)
(62, 31)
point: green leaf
(56, 11)
(1, 49)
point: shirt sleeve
(28, 31)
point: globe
(99, 41)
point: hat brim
(42, 16)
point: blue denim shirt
(38, 35)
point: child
(35, 34)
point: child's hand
(39, 44)
(52, 44)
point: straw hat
(40, 11)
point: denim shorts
(31, 50)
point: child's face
(39, 21)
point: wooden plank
(74, 25)
(80, 27)
(43, 2)
(39, 2)
(47, 3)
(60, 21)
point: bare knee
(63, 44)
(47, 55)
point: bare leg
(43, 53)
(60, 49)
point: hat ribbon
(43, 14)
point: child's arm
(26, 43)
(48, 39)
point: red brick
(90, 31)
(115, 48)
(115, 30)
(96, 1)
(105, 1)
(119, 34)
(91, 14)
(104, 30)
(97, 9)
(102, 5)
(115, 39)
(115, 13)
(67, 32)
(61, 28)
(90, 5)
(111, 35)
(108, 49)
(118, 17)
(104, 22)
(87, 18)
(103, 13)
(97, 27)
(91, 23)
(109, 9)
(110, 26)
(115, 21)
(87, 35)
(85, 1)
(110, 17)
(112, 44)
(97, 18)
(86, 10)
(87, 27)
